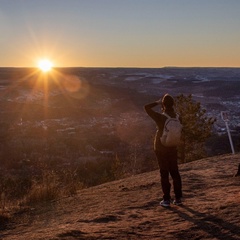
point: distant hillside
(79, 101)
(129, 208)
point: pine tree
(197, 127)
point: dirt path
(129, 208)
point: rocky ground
(129, 208)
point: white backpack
(172, 132)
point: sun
(45, 65)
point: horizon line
(57, 67)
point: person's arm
(148, 108)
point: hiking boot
(165, 203)
(177, 201)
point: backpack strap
(165, 114)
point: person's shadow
(214, 226)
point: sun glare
(45, 65)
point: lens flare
(75, 87)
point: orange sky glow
(104, 33)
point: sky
(120, 33)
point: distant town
(92, 112)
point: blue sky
(120, 33)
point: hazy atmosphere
(120, 33)
(84, 115)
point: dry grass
(50, 188)
(129, 208)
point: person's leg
(166, 186)
(174, 172)
(164, 175)
(177, 183)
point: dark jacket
(159, 119)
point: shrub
(47, 189)
(197, 126)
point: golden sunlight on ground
(45, 65)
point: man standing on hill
(166, 156)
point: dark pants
(167, 160)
